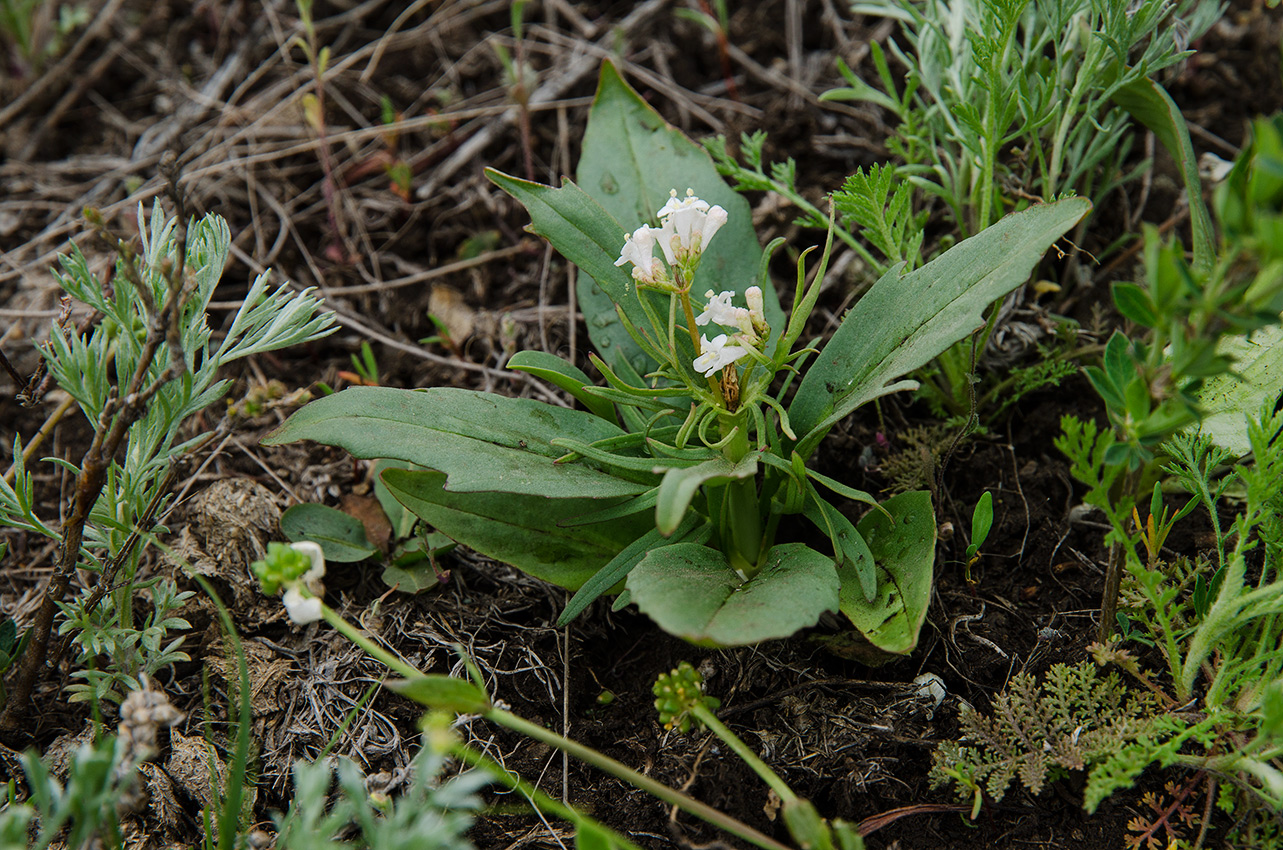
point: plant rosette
(673, 482)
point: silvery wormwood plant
(138, 376)
(679, 475)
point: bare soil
(218, 85)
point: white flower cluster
(305, 607)
(750, 322)
(687, 225)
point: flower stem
(744, 512)
(372, 649)
(538, 799)
(645, 783)
(702, 713)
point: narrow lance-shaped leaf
(563, 375)
(904, 321)
(482, 441)
(1150, 104)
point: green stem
(541, 801)
(371, 648)
(656, 789)
(1086, 72)
(702, 713)
(573, 748)
(742, 503)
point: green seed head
(676, 695)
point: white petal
(302, 609)
(712, 223)
(715, 354)
(665, 237)
(317, 571)
(639, 248)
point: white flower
(716, 354)
(302, 608)
(688, 224)
(721, 311)
(639, 249)
(305, 607)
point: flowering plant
(675, 481)
(298, 569)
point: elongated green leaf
(444, 693)
(584, 233)
(401, 520)
(528, 532)
(567, 376)
(678, 486)
(855, 559)
(691, 591)
(483, 442)
(904, 321)
(341, 537)
(903, 547)
(631, 160)
(1150, 104)
(622, 564)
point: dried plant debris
(1167, 819)
(1074, 720)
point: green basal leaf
(691, 591)
(679, 486)
(1150, 104)
(483, 442)
(567, 376)
(906, 320)
(850, 548)
(340, 536)
(443, 693)
(903, 547)
(1230, 399)
(631, 160)
(412, 578)
(622, 564)
(586, 235)
(531, 533)
(401, 520)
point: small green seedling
(981, 522)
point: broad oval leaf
(531, 533)
(903, 547)
(1231, 398)
(341, 537)
(691, 591)
(481, 441)
(905, 320)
